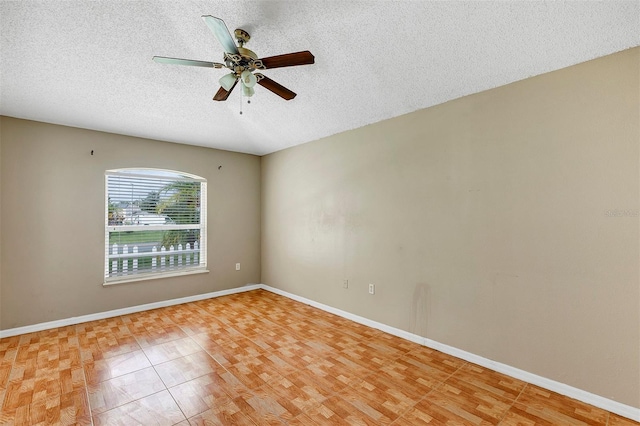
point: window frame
(200, 267)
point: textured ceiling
(88, 63)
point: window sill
(134, 279)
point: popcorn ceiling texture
(88, 64)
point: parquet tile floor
(257, 358)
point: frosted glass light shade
(248, 79)
(227, 81)
(247, 91)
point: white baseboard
(552, 385)
(123, 311)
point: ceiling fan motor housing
(244, 60)
(246, 53)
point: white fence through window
(130, 259)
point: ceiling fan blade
(288, 60)
(222, 95)
(276, 88)
(189, 62)
(221, 32)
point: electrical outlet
(237, 266)
(345, 284)
(372, 289)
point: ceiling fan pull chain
(240, 102)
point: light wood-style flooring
(257, 358)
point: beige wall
(53, 220)
(483, 224)
(0, 223)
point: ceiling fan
(242, 63)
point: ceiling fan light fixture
(247, 91)
(248, 79)
(227, 81)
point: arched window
(155, 224)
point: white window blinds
(155, 223)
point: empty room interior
(320, 213)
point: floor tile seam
(86, 389)
(203, 349)
(177, 405)
(198, 308)
(312, 351)
(426, 395)
(267, 315)
(117, 354)
(512, 404)
(553, 413)
(122, 375)
(521, 392)
(156, 344)
(406, 410)
(367, 400)
(278, 327)
(119, 317)
(331, 392)
(202, 375)
(387, 362)
(210, 355)
(401, 352)
(251, 339)
(563, 396)
(122, 405)
(273, 393)
(152, 330)
(138, 341)
(437, 367)
(433, 391)
(257, 312)
(108, 357)
(154, 369)
(311, 375)
(512, 400)
(119, 334)
(160, 377)
(145, 327)
(400, 387)
(439, 385)
(86, 395)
